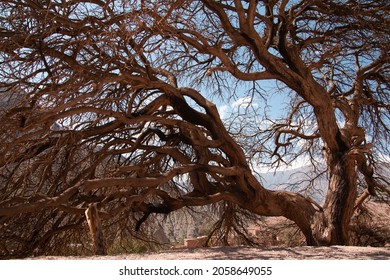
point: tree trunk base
(95, 229)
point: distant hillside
(297, 179)
(8, 99)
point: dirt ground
(250, 253)
(380, 214)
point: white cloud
(383, 157)
(300, 162)
(244, 102)
(223, 111)
(264, 124)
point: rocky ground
(249, 253)
(276, 239)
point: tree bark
(331, 227)
(95, 229)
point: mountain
(298, 179)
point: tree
(110, 110)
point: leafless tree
(108, 108)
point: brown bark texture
(113, 104)
(95, 229)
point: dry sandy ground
(249, 253)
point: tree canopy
(109, 102)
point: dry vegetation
(111, 107)
(274, 238)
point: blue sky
(273, 101)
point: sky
(274, 102)
(273, 99)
